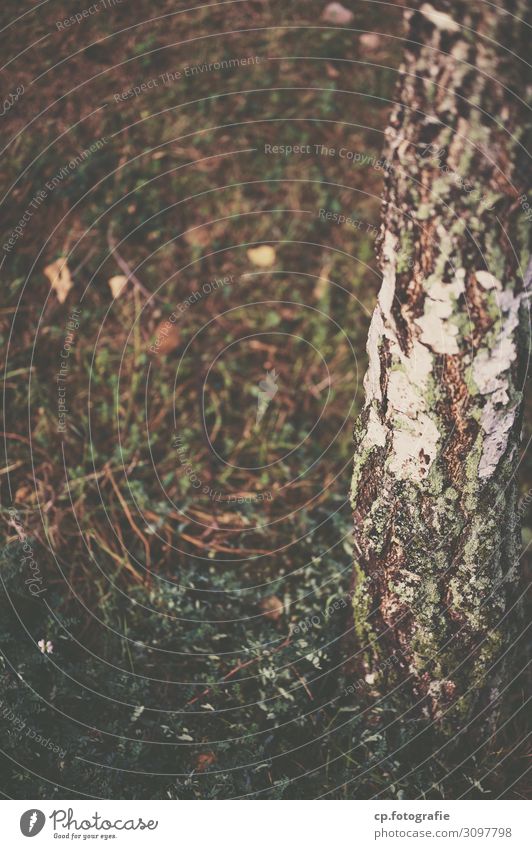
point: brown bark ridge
(436, 448)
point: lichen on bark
(433, 489)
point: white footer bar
(268, 825)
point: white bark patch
(496, 424)
(418, 366)
(437, 331)
(387, 290)
(487, 280)
(376, 432)
(415, 447)
(491, 375)
(372, 380)
(415, 436)
(403, 395)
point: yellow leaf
(263, 256)
(59, 276)
(117, 284)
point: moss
(451, 494)
(406, 251)
(440, 186)
(425, 647)
(473, 390)
(405, 424)
(377, 524)
(361, 458)
(432, 392)
(430, 90)
(472, 462)
(424, 212)
(497, 258)
(462, 320)
(465, 160)
(492, 306)
(435, 480)
(361, 602)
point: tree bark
(433, 493)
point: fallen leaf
(263, 256)
(59, 276)
(272, 607)
(332, 72)
(205, 760)
(117, 284)
(335, 13)
(167, 338)
(22, 494)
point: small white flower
(46, 646)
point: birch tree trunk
(433, 493)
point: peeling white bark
(376, 430)
(372, 384)
(414, 433)
(437, 331)
(387, 290)
(496, 424)
(415, 447)
(491, 369)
